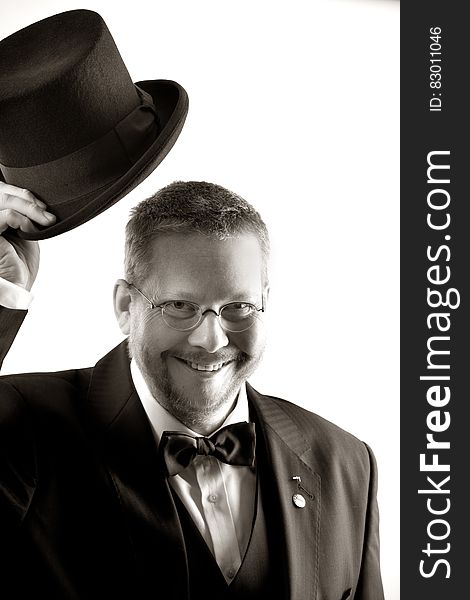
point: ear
(122, 301)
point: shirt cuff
(14, 296)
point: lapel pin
(298, 500)
(300, 487)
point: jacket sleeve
(369, 585)
(18, 468)
(17, 454)
(10, 323)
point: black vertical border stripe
(424, 131)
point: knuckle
(14, 218)
(7, 200)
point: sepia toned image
(199, 299)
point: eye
(238, 310)
(179, 308)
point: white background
(294, 105)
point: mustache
(208, 359)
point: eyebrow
(165, 296)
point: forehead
(206, 266)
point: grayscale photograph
(199, 232)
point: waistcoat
(261, 573)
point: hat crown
(63, 84)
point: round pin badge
(298, 500)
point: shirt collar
(161, 420)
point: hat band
(95, 165)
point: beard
(193, 408)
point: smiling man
(160, 472)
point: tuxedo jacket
(85, 512)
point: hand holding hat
(19, 259)
(93, 135)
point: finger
(15, 220)
(27, 208)
(13, 190)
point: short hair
(189, 207)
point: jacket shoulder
(24, 382)
(43, 394)
(326, 438)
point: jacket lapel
(301, 524)
(125, 441)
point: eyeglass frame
(201, 312)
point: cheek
(252, 341)
(151, 335)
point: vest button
(298, 500)
(213, 498)
(231, 573)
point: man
(160, 473)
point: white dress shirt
(14, 296)
(220, 498)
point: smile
(203, 368)
(198, 367)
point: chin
(196, 406)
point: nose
(209, 334)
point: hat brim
(171, 102)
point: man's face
(196, 373)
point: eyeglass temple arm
(152, 304)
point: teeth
(198, 367)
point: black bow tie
(233, 444)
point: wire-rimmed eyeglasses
(183, 315)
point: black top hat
(74, 129)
